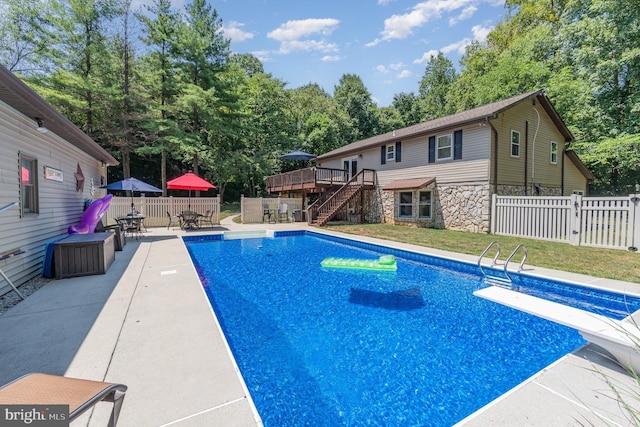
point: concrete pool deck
(147, 323)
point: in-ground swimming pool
(324, 347)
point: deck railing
(306, 178)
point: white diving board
(620, 338)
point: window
(443, 147)
(424, 205)
(554, 153)
(28, 184)
(405, 204)
(515, 143)
(391, 152)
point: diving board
(620, 338)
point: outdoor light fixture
(41, 127)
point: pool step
(253, 234)
(493, 279)
(504, 282)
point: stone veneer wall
(455, 207)
(463, 207)
(519, 190)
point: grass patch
(606, 263)
(229, 209)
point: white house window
(554, 153)
(444, 149)
(405, 204)
(391, 152)
(28, 184)
(424, 205)
(515, 143)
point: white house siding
(461, 193)
(59, 203)
(415, 157)
(540, 170)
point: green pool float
(384, 263)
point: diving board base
(620, 338)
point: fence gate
(607, 222)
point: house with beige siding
(442, 173)
(48, 169)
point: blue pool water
(322, 347)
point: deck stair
(494, 276)
(328, 209)
(335, 202)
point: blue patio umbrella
(297, 156)
(132, 184)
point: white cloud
(458, 46)
(466, 13)
(262, 55)
(480, 33)
(293, 35)
(382, 69)
(307, 45)
(233, 30)
(401, 26)
(331, 58)
(397, 66)
(426, 57)
(373, 43)
(385, 2)
(404, 74)
(293, 30)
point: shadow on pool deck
(147, 323)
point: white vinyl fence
(155, 209)
(608, 222)
(253, 209)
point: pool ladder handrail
(496, 280)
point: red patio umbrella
(189, 181)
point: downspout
(526, 155)
(564, 151)
(533, 152)
(495, 156)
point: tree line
(163, 92)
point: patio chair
(266, 212)
(207, 218)
(81, 395)
(172, 218)
(283, 212)
(130, 226)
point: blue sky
(385, 42)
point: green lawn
(606, 263)
(229, 209)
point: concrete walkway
(148, 324)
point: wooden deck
(311, 179)
(308, 179)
